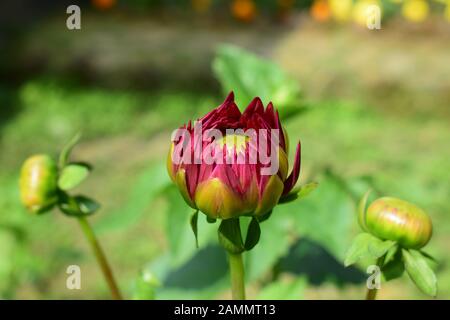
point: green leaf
(72, 175)
(230, 235)
(194, 224)
(273, 244)
(250, 76)
(67, 149)
(145, 286)
(253, 235)
(145, 189)
(366, 246)
(178, 228)
(419, 272)
(77, 206)
(326, 216)
(284, 290)
(299, 193)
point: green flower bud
(394, 219)
(38, 183)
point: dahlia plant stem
(372, 293)
(237, 276)
(101, 258)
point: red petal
(255, 107)
(225, 116)
(293, 177)
(269, 116)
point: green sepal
(253, 235)
(390, 254)
(210, 220)
(194, 226)
(265, 216)
(45, 209)
(428, 256)
(420, 272)
(378, 248)
(299, 192)
(73, 174)
(366, 245)
(362, 210)
(230, 236)
(67, 149)
(77, 206)
(393, 266)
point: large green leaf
(145, 286)
(284, 290)
(420, 272)
(326, 216)
(250, 76)
(273, 244)
(182, 242)
(178, 229)
(203, 276)
(148, 185)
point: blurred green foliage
(249, 76)
(347, 148)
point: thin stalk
(372, 293)
(101, 258)
(237, 276)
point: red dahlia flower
(231, 164)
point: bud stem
(372, 293)
(237, 276)
(101, 258)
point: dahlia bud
(394, 219)
(229, 164)
(38, 183)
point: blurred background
(371, 107)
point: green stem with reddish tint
(101, 258)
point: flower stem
(101, 258)
(237, 276)
(372, 293)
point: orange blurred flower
(243, 10)
(320, 10)
(103, 4)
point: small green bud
(394, 219)
(38, 183)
